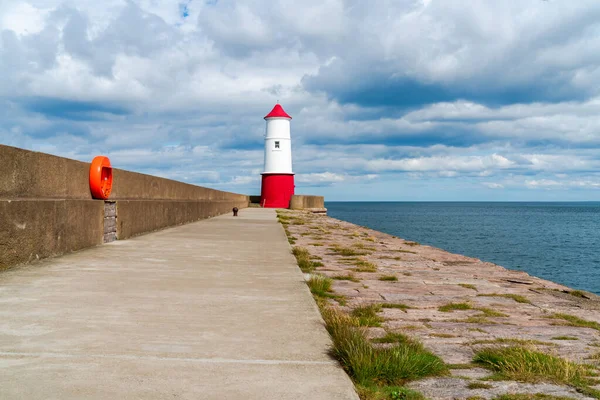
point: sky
(393, 100)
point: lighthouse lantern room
(277, 179)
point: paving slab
(212, 310)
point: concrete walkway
(212, 310)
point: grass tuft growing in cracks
(454, 306)
(371, 366)
(319, 285)
(367, 315)
(365, 266)
(347, 251)
(306, 264)
(572, 320)
(516, 297)
(350, 277)
(526, 365)
(392, 337)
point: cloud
(556, 184)
(501, 53)
(498, 98)
(421, 164)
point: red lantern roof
(277, 112)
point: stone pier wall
(46, 208)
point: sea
(555, 241)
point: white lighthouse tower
(277, 179)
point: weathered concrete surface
(34, 229)
(133, 185)
(29, 174)
(135, 217)
(302, 202)
(212, 310)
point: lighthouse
(277, 179)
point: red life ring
(101, 178)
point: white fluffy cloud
(501, 96)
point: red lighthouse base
(276, 190)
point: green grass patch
(468, 286)
(367, 315)
(479, 385)
(572, 320)
(579, 293)
(320, 285)
(347, 251)
(412, 244)
(454, 306)
(349, 277)
(283, 219)
(316, 244)
(526, 365)
(516, 297)
(391, 337)
(387, 393)
(392, 278)
(475, 319)
(364, 247)
(565, 338)
(365, 266)
(371, 366)
(488, 312)
(304, 259)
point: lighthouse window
(277, 144)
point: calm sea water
(555, 241)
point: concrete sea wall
(46, 208)
(312, 203)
